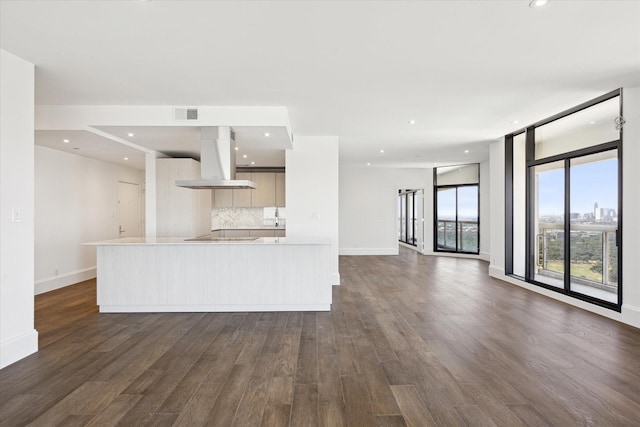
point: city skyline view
(591, 183)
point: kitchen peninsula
(213, 275)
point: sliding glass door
(577, 251)
(468, 233)
(447, 218)
(593, 245)
(548, 223)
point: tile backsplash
(244, 217)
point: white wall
(496, 198)
(368, 207)
(181, 212)
(631, 227)
(150, 214)
(461, 174)
(18, 338)
(75, 202)
(485, 210)
(631, 207)
(312, 191)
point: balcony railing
(592, 249)
(467, 235)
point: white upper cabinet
(242, 198)
(269, 191)
(281, 199)
(265, 192)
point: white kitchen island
(182, 275)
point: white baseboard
(485, 256)
(454, 255)
(335, 279)
(496, 272)
(408, 246)
(218, 308)
(368, 251)
(18, 348)
(629, 315)
(57, 282)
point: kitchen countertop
(189, 241)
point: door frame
(141, 213)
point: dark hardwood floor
(410, 340)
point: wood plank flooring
(410, 341)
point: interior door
(128, 209)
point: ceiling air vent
(185, 114)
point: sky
(591, 183)
(467, 203)
(595, 182)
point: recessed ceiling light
(130, 134)
(515, 122)
(66, 141)
(236, 148)
(253, 163)
(537, 3)
(368, 164)
(466, 151)
(244, 156)
(412, 122)
(592, 122)
(381, 151)
(267, 134)
(126, 158)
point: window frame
(566, 157)
(436, 187)
(407, 221)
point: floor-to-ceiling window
(407, 216)
(563, 191)
(456, 208)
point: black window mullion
(576, 153)
(530, 238)
(413, 219)
(567, 225)
(477, 249)
(406, 215)
(456, 226)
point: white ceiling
(87, 144)
(464, 70)
(184, 141)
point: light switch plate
(16, 215)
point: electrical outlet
(55, 272)
(16, 215)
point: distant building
(604, 214)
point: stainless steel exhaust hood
(217, 162)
